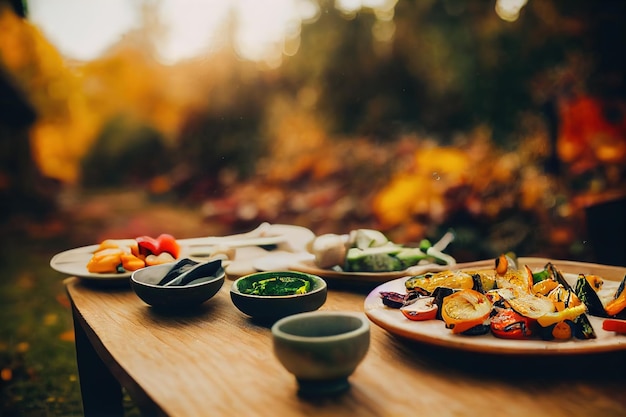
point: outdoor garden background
(501, 121)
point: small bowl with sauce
(269, 296)
(321, 349)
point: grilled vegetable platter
(508, 305)
(369, 256)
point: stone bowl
(321, 348)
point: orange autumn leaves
(64, 126)
(75, 100)
(486, 180)
(592, 133)
(421, 189)
(477, 177)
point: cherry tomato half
(422, 309)
(508, 324)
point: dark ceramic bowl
(274, 307)
(197, 283)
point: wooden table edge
(101, 378)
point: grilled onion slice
(531, 306)
(465, 309)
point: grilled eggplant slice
(439, 294)
(556, 275)
(582, 328)
(589, 297)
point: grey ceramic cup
(321, 348)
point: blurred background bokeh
(503, 121)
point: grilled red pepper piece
(614, 325)
(508, 324)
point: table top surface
(216, 361)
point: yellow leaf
(50, 319)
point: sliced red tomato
(167, 243)
(509, 324)
(147, 245)
(614, 325)
(422, 309)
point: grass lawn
(38, 372)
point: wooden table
(214, 361)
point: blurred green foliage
(125, 152)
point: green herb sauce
(278, 286)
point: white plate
(73, 262)
(434, 331)
(280, 260)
